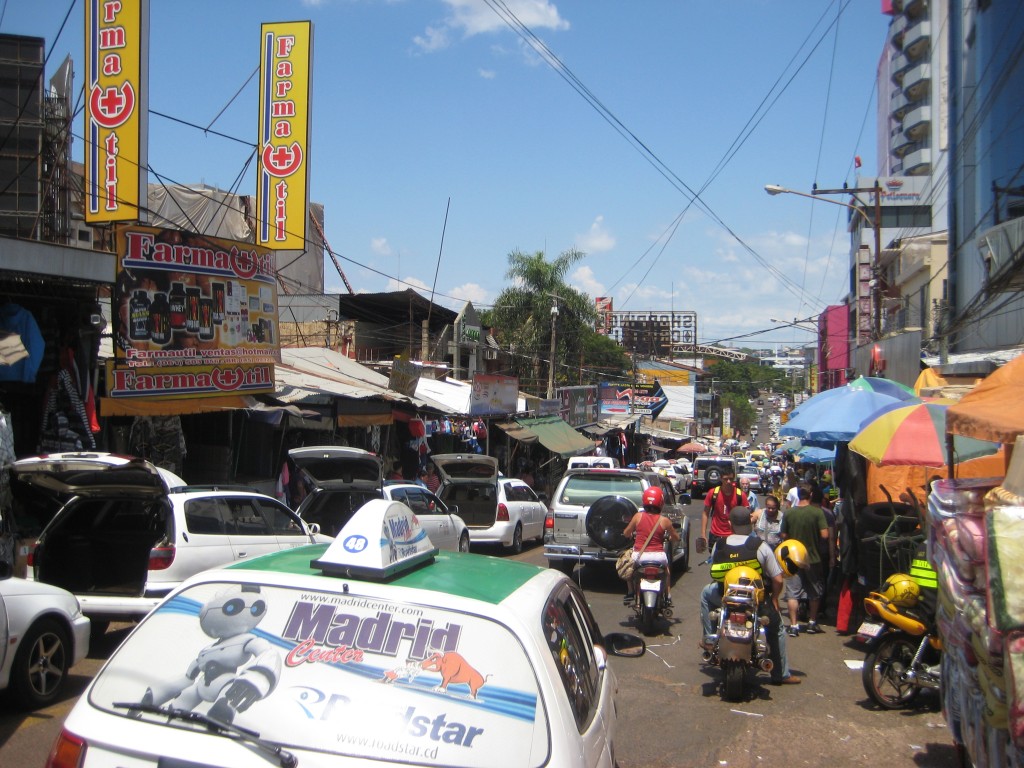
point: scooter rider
(640, 526)
(741, 547)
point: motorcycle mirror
(625, 644)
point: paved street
(670, 710)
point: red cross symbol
(282, 161)
(113, 105)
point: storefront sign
(404, 376)
(578, 405)
(116, 109)
(639, 400)
(282, 189)
(195, 315)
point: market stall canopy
(915, 435)
(612, 424)
(692, 447)
(838, 417)
(993, 410)
(551, 431)
(812, 454)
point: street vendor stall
(976, 546)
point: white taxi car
(375, 649)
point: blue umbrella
(812, 454)
(836, 418)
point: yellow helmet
(744, 575)
(792, 556)
(901, 590)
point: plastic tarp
(553, 432)
(993, 410)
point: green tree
(523, 316)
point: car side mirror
(543, 497)
(625, 644)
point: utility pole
(551, 355)
(876, 262)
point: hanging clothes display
(159, 439)
(65, 424)
(17, 319)
(8, 534)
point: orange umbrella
(691, 447)
(993, 410)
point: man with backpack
(717, 504)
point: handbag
(624, 565)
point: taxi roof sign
(382, 538)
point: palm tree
(523, 314)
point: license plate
(870, 629)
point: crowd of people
(739, 527)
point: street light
(800, 324)
(875, 223)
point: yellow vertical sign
(116, 109)
(286, 59)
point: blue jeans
(775, 632)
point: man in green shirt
(807, 524)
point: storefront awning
(552, 432)
(611, 424)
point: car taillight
(68, 751)
(502, 513)
(160, 558)
(549, 521)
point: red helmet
(654, 499)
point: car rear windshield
(584, 489)
(358, 675)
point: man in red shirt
(717, 504)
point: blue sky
(418, 102)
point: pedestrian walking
(807, 524)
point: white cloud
(407, 282)
(432, 39)
(380, 246)
(487, 74)
(598, 239)
(583, 280)
(473, 292)
(471, 17)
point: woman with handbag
(649, 529)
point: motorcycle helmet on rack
(792, 556)
(901, 590)
(744, 576)
(654, 499)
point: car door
(584, 674)
(529, 508)
(249, 531)
(431, 513)
(285, 524)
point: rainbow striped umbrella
(914, 435)
(884, 387)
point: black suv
(707, 472)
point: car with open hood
(343, 479)
(376, 649)
(122, 533)
(496, 509)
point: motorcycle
(740, 641)
(905, 652)
(649, 597)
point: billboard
(637, 399)
(282, 188)
(493, 395)
(653, 333)
(194, 315)
(578, 405)
(116, 109)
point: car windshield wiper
(284, 758)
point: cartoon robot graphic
(236, 670)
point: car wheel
(517, 540)
(464, 542)
(41, 665)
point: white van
(603, 462)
